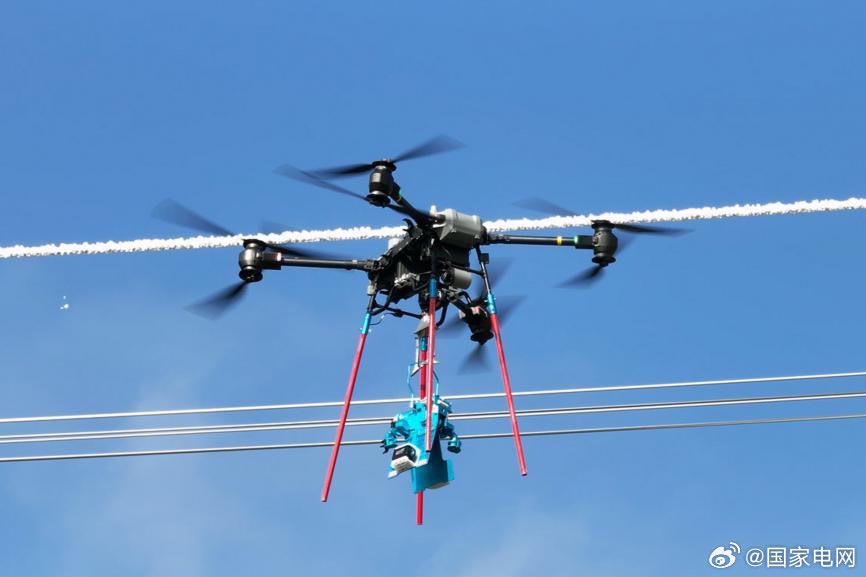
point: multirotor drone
(433, 263)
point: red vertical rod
(506, 381)
(422, 376)
(365, 328)
(422, 359)
(431, 358)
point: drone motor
(604, 243)
(250, 261)
(383, 187)
(253, 259)
(478, 320)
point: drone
(432, 264)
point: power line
(191, 430)
(366, 232)
(403, 400)
(326, 423)
(663, 426)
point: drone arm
(279, 260)
(577, 241)
(405, 207)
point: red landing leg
(365, 328)
(506, 381)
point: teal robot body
(406, 437)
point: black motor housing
(604, 243)
(250, 261)
(382, 185)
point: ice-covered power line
(401, 400)
(369, 421)
(365, 232)
(553, 432)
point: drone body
(432, 262)
(404, 270)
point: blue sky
(107, 109)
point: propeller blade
(623, 241)
(175, 213)
(343, 171)
(313, 178)
(452, 326)
(218, 303)
(543, 206)
(436, 145)
(270, 227)
(405, 211)
(495, 272)
(296, 252)
(583, 278)
(594, 273)
(546, 207)
(506, 305)
(476, 361)
(644, 229)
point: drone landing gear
(353, 376)
(503, 366)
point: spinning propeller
(606, 243)
(478, 359)
(218, 303)
(175, 213)
(215, 305)
(436, 145)
(382, 189)
(479, 323)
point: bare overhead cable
(656, 427)
(403, 400)
(369, 421)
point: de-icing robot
(407, 433)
